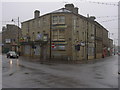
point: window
(62, 34)
(58, 19)
(59, 48)
(13, 40)
(55, 19)
(55, 34)
(39, 36)
(33, 24)
(83, 35)
(28, 27)
(38, 23)
(58, 34)
(90, 51)
(33, 36)
(44, 19)
(62, 19)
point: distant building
(111, 48)
(10, 37)
(64, 34)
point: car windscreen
(12, 53)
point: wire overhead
(110, 20)
(104, 3)
(107, 16)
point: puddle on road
(26, 73)
(11, 74)
(3, 67)
(22, 66)
(49, 80)
(98, 76)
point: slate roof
(61, 10)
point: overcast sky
(106, 15)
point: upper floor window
(58, 19)
(62, 19)
(61, 34)
(58, 34)
(39, 23)
(55, 20)
(33, 24)
(55, 34)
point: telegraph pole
(18, 37)
(18, 29)
(18, 34)
(87, 38)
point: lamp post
(13, 20)
(115, 45)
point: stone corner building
(10, 36)
(64, 34)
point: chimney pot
(36, 13)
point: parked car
(118, 53)
(12, 54)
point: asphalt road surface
(19, 73)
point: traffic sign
(53, 45)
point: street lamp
(13, 20)
(115, 45)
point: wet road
(19, 73)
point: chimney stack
(76, 10)
(36, 13)
(71, 8)
(92, 18)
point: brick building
(63, 34)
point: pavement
(60, 61)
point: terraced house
(63, 34)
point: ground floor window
(59, 47)
(37, 50)
(90, 51)
(27, 49)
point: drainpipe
(50, 33)
(95, 42)
(87, 42)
